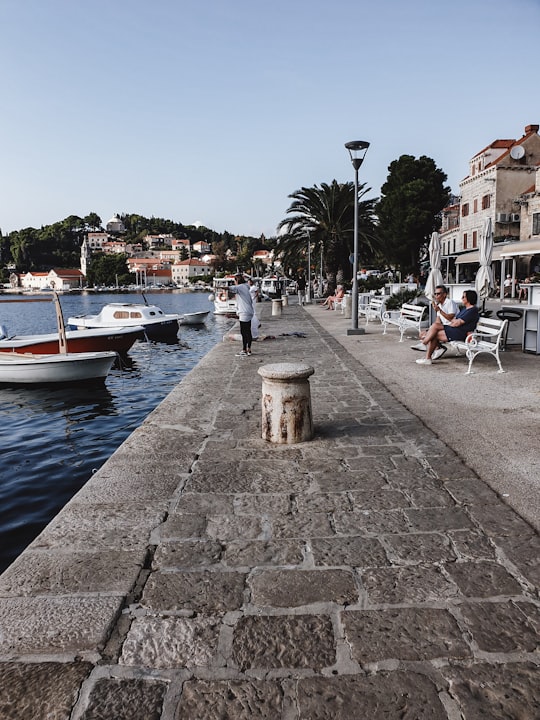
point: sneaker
(419, 346)
(248, 352)
(243, 353)
(439, 352)
(423, 361)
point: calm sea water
(52, 439)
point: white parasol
(484, 276)
(435, 276)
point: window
(475, 205)
(475, 239)
(486, 202)
(465, 210)
(465, 243)
(536, 224)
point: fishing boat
(194, 318)
(223, 303)
(17, 368)
(155, 322)
(118, 340)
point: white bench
(487, 338)
(374, 309)
(410, 317)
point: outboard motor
(3, 332)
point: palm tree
(325, 216)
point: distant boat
(155, 322)
(118, 340)
(194, 318)
(58, 368)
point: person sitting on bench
(464, 322)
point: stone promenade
(203, 573)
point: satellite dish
(517, 152)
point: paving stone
(524, 552)
(40, 691)
(231, 699)
(323, 502)
(383, 499)
(482, 579)
(294, 588)
(61, 573)
(260, 504)
(204, 503)
(412, 584)
(336, 481)
(430, 497)
(505, 691)
(123, 479)
(183, 525)
(371, 522)
(125, 699)
(502, 627)
(403, 634)
(297, 641)
(170, 642)
(472, 545)
(187, 553)
(302, 525)
(472, 491)
(356, 551)
(438, 519)
(254, 553)
(392, 696)
(56, 624)
(232, 527)
(420, 548)
(500, 521)
(203, 592)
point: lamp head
(357, 150)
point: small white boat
(194, 318)
(58, 368)
(155, 322)
(223, 303)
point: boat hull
(156, 324)
(31, 369)
(118, 340)
(194, 318)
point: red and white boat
(118, 340)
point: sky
(215, 111)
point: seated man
(446, 310)
(464, 322)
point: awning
(474, 256)
(525, 247)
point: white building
(185, 269)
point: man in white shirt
(446, 310)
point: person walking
(244, 310)
(301, 289)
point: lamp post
(357, 150)
(308, 288)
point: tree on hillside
(107, 269)
(412, 199)
(325, 214)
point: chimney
(531, 129)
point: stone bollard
(286, 403)
(284, 300)
(276, 306)
(347, 306)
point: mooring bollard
(276, 306)
(284, 300)
(286, 403)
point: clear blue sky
(214, 111)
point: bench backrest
(412, 312)
(376, 302)
(490, 327)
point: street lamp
(308, 288)
(357, 150)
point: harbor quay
(385, 568)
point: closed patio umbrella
(435, 276)
(484, 276)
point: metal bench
(410, 318)
(374, 309)
(487, 338)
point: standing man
(301, 289)
(244, 310)
(446, 310)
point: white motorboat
(194, 318)
(223, 303)
(58, 368)
(155, 322)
